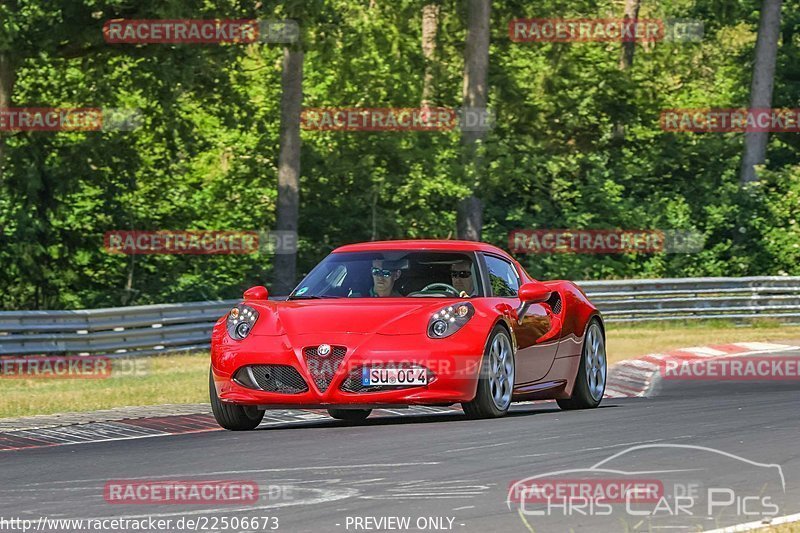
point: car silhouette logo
(323, 350)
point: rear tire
(496, 379)
(350, 415)
(231, 416)
(590, 383)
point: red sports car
(398, 323)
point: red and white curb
(636, 377)
(49, 434)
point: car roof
(422, 244)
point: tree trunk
(476, 66)
(469, 217)
(285, 263)
(430, 27)
(7, 78)
(626, 58)
(629, 47)
(755, 142)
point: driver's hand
(463, 294)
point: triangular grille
(322, 368)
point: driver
(463, 281)
(383, 279)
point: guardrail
(136, 330)
(153, 329)
(740, 299)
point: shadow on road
(435, 418)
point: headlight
(240, 321)
(449, 319)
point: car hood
(388, 316)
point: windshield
(392, 273)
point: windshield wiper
(309, 297)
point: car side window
(502, 277)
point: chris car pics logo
(665, 485)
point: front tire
(231, 416)
(350, 415)
(590, 383)
(496, 379)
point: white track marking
(368, 481)
(617, 445)
(440, 494)
(704, 351)
(750, 526)
(396, 413)
(536, 455)
(623, 374)
(476, 447)
(221, 472)
(765, 346)
(311, 416)
(640, 363)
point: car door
(536, 335)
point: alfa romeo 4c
(401, 323)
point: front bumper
(454, 364)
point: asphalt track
(439, 465)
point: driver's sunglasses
(381, 272)
(460, 273)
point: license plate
(394, 376)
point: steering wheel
(441, 287)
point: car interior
(422, 274)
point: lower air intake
(283, 379)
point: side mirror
(533, 292)
(259, 292)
